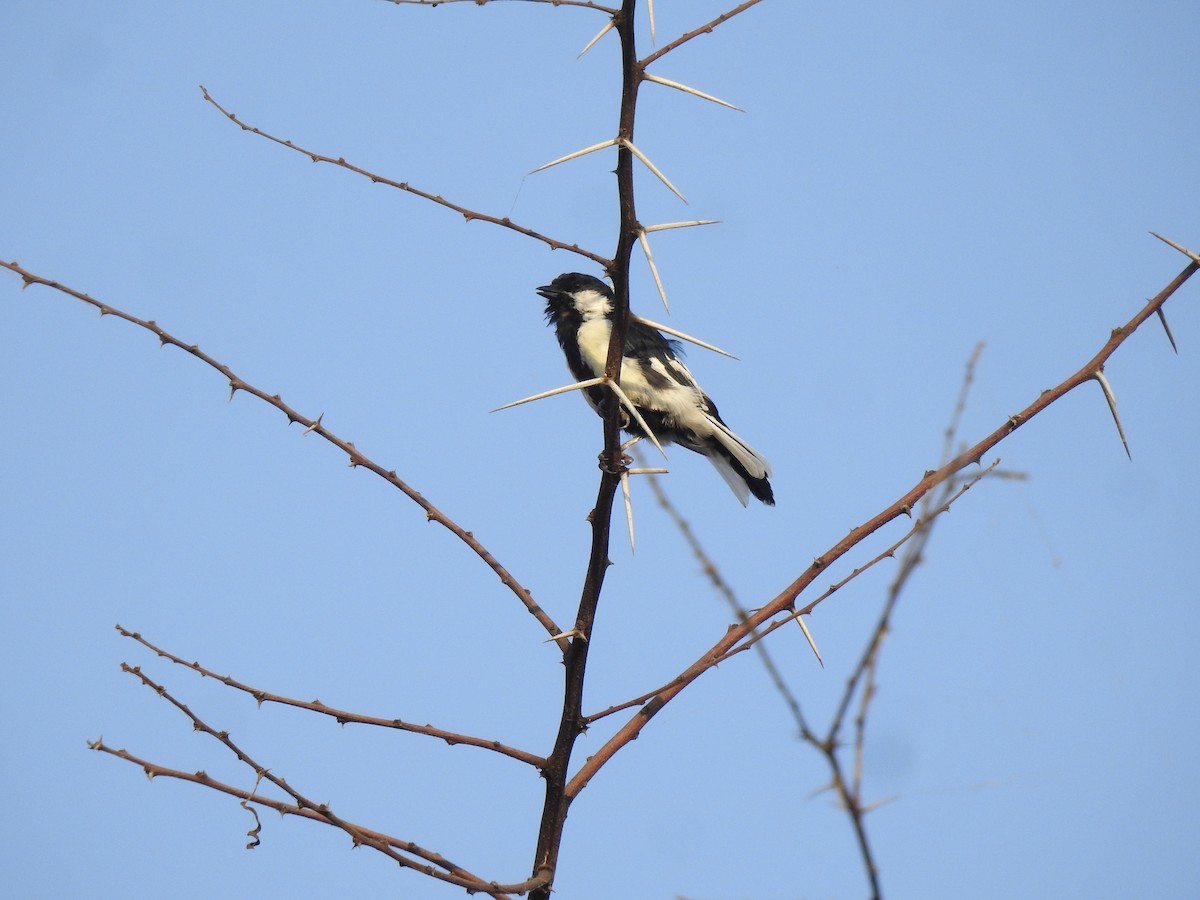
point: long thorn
(578, 153)
(1112, 406)
(637, 416)
(594, 382)
(579, 385)
(628, 145)
(650, 10)
(691, 90)
(1184, 250)
(666, 225)
(653, 268)
(603, 31)
(628, 506)
(811, 643)
(1162, 317)
(683, 337)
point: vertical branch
(612, 463)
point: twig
(468, 214)
(342, 716)
(359, 836)
(706, 28)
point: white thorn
(653, 268)
(603, 31)
(674, 332)
(586, 150)
(579, 385)
(649, 228)
(1194, 257)
(628, 145)
(628, 404)
(809, 637)
(628, 507)
(573, 633)
(691, 90)
(1112, 406)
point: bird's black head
(574, 297)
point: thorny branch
(389, 847)
(786, 599)
(153, 770)
(575, 644)
(357, 458)
(468, 214)
(342, 716)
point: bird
(654, 378)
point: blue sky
(907, 180)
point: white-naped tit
(654, 378)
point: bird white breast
(596, 329)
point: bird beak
(548, 292)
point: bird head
(575, 297)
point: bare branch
(786, 599)
(322, 811)
(342, 716)
(706, 28)
(468, 214)
(357, 458)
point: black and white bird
(655, 380)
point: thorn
(579, 385)
(562, 159)
(811, 643)
(1112, 406)
(628, 507)
(603, 31)
(650, 10)
(316, 423)
(653, 268)
(594, 382)
(1162, 317)
(573, 633)
(1184, 250)
(637, 416)
(691, 90)
(674, 332)
(666, 226)
(628, 145)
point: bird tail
(742, 467)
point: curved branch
(468, 214)
(786, 599)
(342, 716)
(432, 513)
(706, 28)
(154, 770)
(361, 837)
